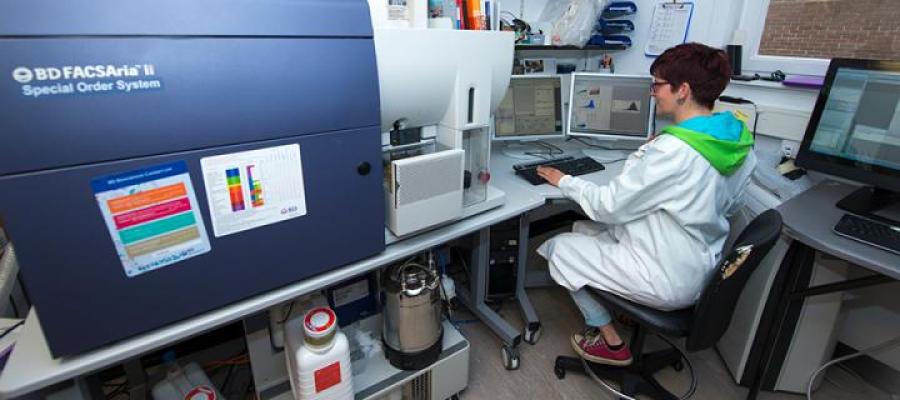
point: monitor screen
(861, 118)
(532, 109)
(610, 105)
(854, 130)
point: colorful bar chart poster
(235, 193)
(152, 216)
(254, 188)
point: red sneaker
(591, 346)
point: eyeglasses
(654, 85)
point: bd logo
(22, 75)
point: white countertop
(31, 366)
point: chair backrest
(713, 312)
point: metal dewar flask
(412, 316)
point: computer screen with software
(854, 133)
(860, 120)
(610, 106)
(531, 109)
(854, 130)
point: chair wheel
(510, 357)
(532, 336)
(560, 372)
(678, 365)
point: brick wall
(833, 28)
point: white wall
(784, 112)
(712, 24)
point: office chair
(702, 324)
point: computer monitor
(611, 107)
(854, 131)
(531, 110)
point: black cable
(288, 315)
(222, 387)
(249, 388)
(539, 155)
(464, 264)
(15, 308)
(10, 329)
(121, 389)
(552, 147)
(551, 150)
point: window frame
(753, 23)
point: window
(800, 36)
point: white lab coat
(657, 229)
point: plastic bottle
(188, 383)
(319, 364)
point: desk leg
(89, 387)
(474, 297)
(781, 315)
(532, 323)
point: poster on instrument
(250, 189)
(152, 216)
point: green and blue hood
(720, 138)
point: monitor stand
(873, 203)
(602, 151)
(606, 155)
(531, 151)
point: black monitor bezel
(859, 171)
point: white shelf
(380, 377)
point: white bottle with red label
(319, 358)
(188, 383)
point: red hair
(704, 68)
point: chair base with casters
(637, 377)
(702, 325)
(633, 379)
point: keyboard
(870, 232)
(568, 165)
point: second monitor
(613, 107)
(531, 110)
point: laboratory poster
(152, 216)
(254, 188)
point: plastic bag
(767, 175)
(570, 22)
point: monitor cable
(867, 351)
(551, 147)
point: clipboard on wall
(669, 26)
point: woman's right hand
(550, 174)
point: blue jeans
(595, 315)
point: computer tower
(503, 260)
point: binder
(618, 9)
(669, 26)
(613, 27)
(610, 40)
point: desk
(505, 178)
(808, 222)
(31, 366)
(516, 189)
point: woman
(656, 230)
